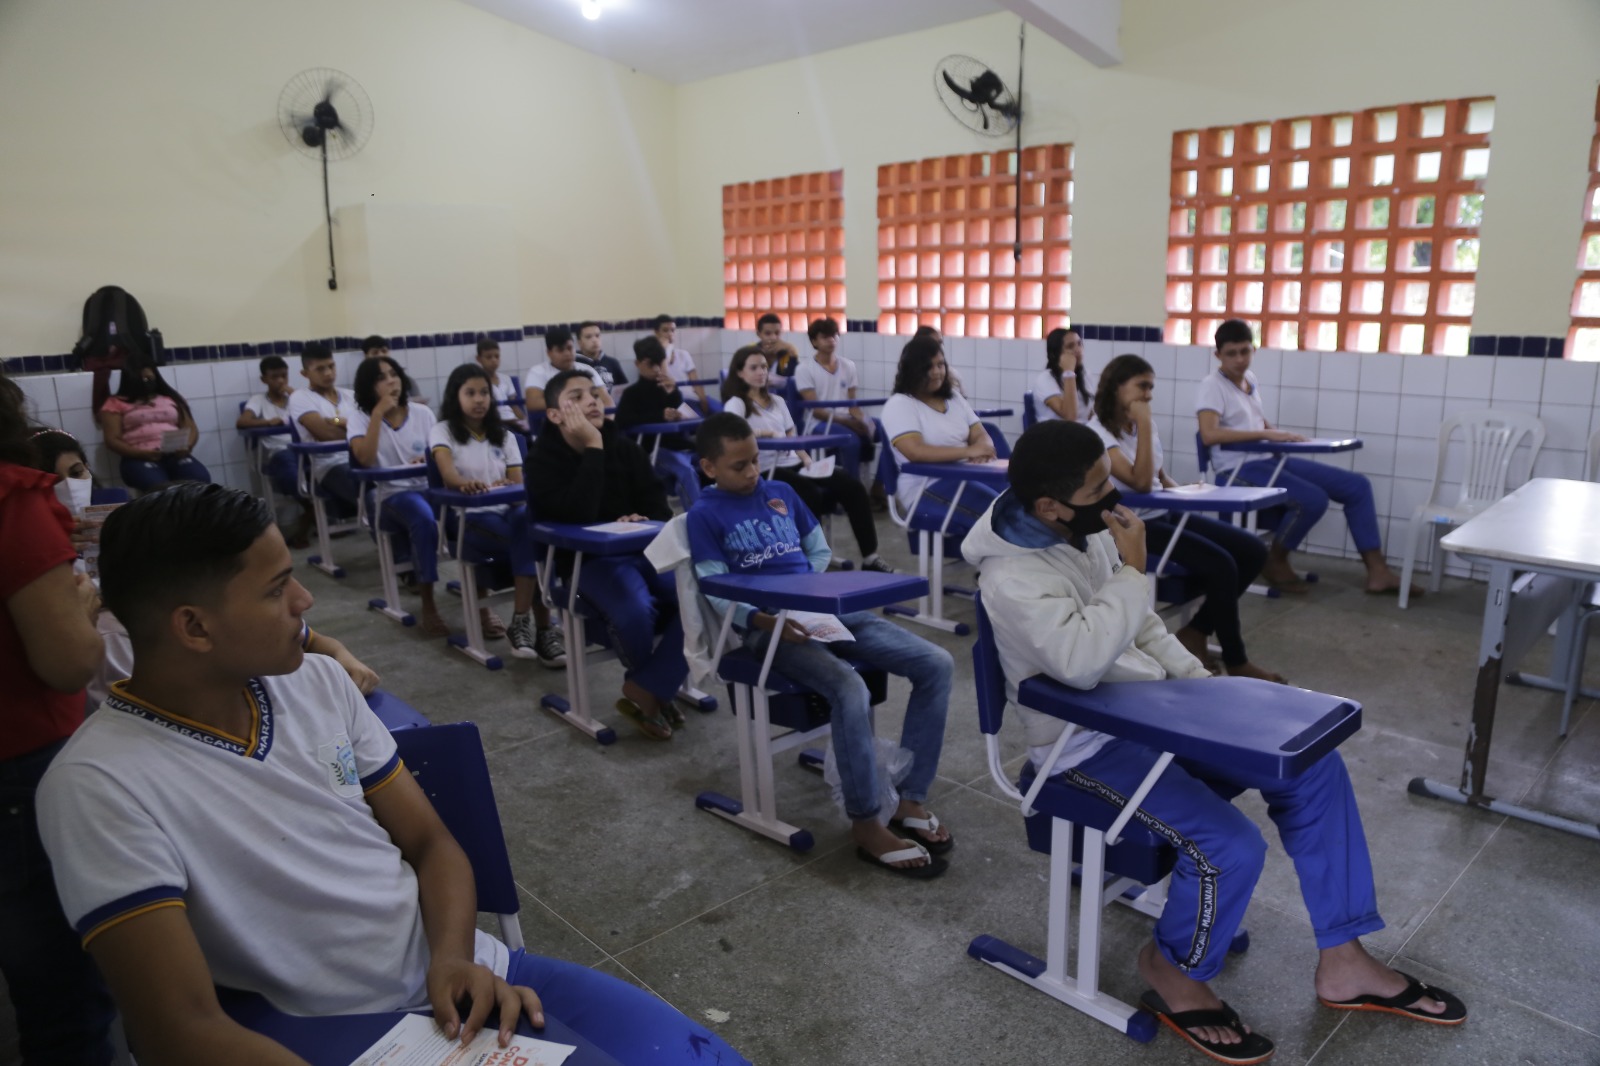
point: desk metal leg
(1486, 696)
(930, 608)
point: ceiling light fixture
(590, 9)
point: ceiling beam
(1088, 27)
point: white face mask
(73, 492)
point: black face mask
(1089, 518)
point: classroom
(1330, 279)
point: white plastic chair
(1492, 439)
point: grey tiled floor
(816, 958)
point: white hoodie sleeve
(1041, 631)
(1166, 649)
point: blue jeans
(882, 644)
(679, 471)
(280, 470)
(503, 537)
(1221, 852)
(1223, 560)
(142, 475)
(62, 1008)
(1311, 485)
(410, 516)
(638, 604)
(625, 1022)
(338, 482)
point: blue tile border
(1525, 347)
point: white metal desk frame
(1543, 552)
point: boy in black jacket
(653, 399)
(584, 469)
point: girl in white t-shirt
(388, 430)
(926, 421)
(1063, 359)
(475, 452)
(745, 394)
(1219, 556)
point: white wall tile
(1569, 383)
(1336, 412)
(1301, 369)
(1013, 383)
(985, 384)
(1183, 399)
(1267, 365)
(1377, 412)
(1406, 495)
(1416, 458)
(1470, 377)
(986, 352)
(1376, 455)
(1163, 359)
(1566, 427)
(1381, 372)
(1420, 416)
(1340, 370)
(1553, 462)
(1517, 379)
(192, 380)
(1297, 408)
(74, 391)
(1020, 354)
(237, 375)
(1194, 362)
(961, 352)
(1161, 400)
(1423, 375)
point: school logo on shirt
(778, 505)
(339, 759)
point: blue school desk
(1189, 499)
(660, 429)
(805, 442)
(930, 554)
(470, 643)
(1286, 450)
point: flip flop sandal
(655, 727)
(1455, 1012)
(913, 828)
(1251, 1048)
(1292, 587)
(926, 872)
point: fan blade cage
(330, 102)
(976, 96)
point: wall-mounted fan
(979, 99)
(326, 115)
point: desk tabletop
(647, 429)
(1253, 726)
(804, 441)
(1548, 522)
(319, 447)
(822, 405)
(993, 472)
(834, 592)
(496, 497)
(597, 538)
(1315, 446)
(282, 429)
(1217, 499)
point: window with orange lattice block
(783, 249)
(1583, 342)
(947, 236)
(1343, 232)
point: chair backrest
(990, 679)
(1202, 453)
(1002, 447)
(394, 712)
(1030, 414)
(791, 397)
(888, 467)
(447, 761)
(1591, 467)
(1492, 439)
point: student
(927, 421)
(388, 430)
(680, 364)
(376, 347)
(1063, 605)
(932, 333)
(559, 357)
(322, 412)
(48, 652)
(504, 396)
(271, 408)
(655, 398)
(585, 469)
(590, 355)
(1228, 406)
(324, 838)
(745, 394)
(475, 453)
(55, 451)
(1221, 556)
(749, 525)
(1063, 358)
(829, 376)
(142, 411)
(782, 359)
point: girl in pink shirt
(144, 409)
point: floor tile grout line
(1449, 888)
(564, 921)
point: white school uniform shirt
(775, 418)
(306, 401)
(1128, 444)
(905, 414)
(293, 889)
(1044, 387)
(503, 395)
(680, 364)
(478, 459)
(263, 408)
(404, 446)
(830, 385)
(1235, 408)
(539, 376)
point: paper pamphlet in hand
(89, 523)
(819, 467)
(617, 527)
(174, 440)
(824, 628)
(416, 1041)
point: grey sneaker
(522, 637)
(878, 566)
(550, 648)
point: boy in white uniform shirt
(829, 376)
(559, 356)
(680, 364)
(236, 815)
(322, 413)
(271, 408)
(500, 388)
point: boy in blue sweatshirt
(747, 524)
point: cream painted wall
(141, 149)
(1186, 65)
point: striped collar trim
(255, 746)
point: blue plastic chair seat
(1141, 854)
(791, 706)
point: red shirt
(34, 540)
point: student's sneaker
(522, 636)
(878, 566)
(550, 648)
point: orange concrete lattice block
(1344, 232)
(947, 237)
(1583, 341)
(783, 249)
